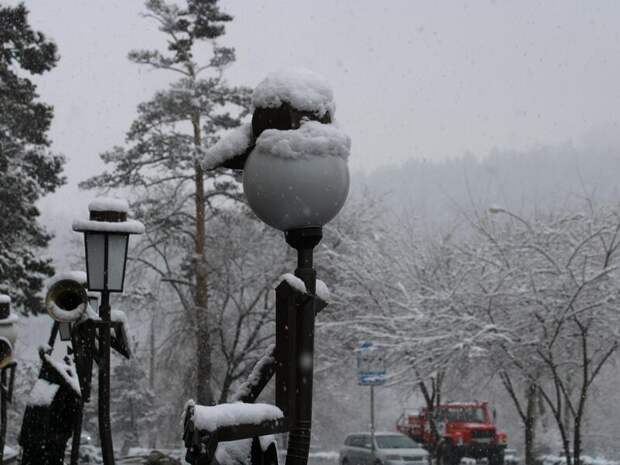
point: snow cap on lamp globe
(297, 177)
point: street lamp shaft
(304, 241)
(105, 429)
(305, 271)
(3, 412)
(372, 417)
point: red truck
(463, 430)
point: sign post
(371, 372)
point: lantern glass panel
(95, 260)
(93, 302)
(117, 254)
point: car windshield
(395, 442)
(471, 414)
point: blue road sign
(370, 364)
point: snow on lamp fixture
(106, 235)
(8, 336)
(8, 332)
(298, 178)
(66, 298)
(293, 155)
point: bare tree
(548, 281)
(411, 295)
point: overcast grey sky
(411, 78)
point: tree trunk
(565, 441)
(225, 388)
(3, 413)
(153, 433)
(577, 441)
(132, 437)
(152, 354)
(566, 414)
(530, 424)
(204, 394)
(527, 412)
(432, 399)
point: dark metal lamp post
(296, 179)
(298, 196)
(106, 236)
(8, 336)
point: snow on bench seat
(212, 418)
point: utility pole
(371, 372)
(372, 418)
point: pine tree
(27, 167)
(175, 197)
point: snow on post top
(312, 139)
(302, 89)
(103, 207)
(322, 291)
(108, 204)
(5, 299)
(294, 282)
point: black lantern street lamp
(8, 336)
(106, 236)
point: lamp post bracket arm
(233, 143)
(259, 377)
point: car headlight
(397, 458)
